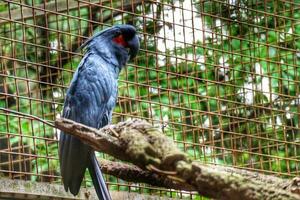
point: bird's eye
(118, 33)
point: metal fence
(220, 77)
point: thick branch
(145, 146)
(135, 174)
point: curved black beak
(134, 46)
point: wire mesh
(220, 77)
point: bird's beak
(134, 46)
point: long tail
(74, 158)
(97, 178)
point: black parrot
(90, 100)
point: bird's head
(119, 42)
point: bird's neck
(112, 66)
(121, 55)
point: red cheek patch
(120, 40)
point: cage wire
(220, 77)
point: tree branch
(143, 145)
(137, 175)
(39, 10)
(27, 12)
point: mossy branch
(143, 145)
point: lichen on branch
(145, 146)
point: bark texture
(143, 145)
(137, 175)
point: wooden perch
(138, 142)
(135, 174)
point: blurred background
(220, 77)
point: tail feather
(73, 162)
(97, 178)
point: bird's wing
(89, 93)
(87, 103)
